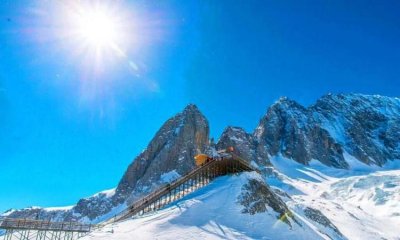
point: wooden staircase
(26, 229)
(188, 183)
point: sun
(101, 46)
(100, 36)
(97, 28)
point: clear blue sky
(67, 133)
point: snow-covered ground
(209, 213)
(362, 203)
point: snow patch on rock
(170, 176)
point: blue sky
(67, 133)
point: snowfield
(209, 213)
(360, 203)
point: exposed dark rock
(173, 148)
(367, 127)
(370, 124)
(317, 216)
(281, 193)
(243, 143)
(93, 207)
(289, 129)
(256, 197)
(41, 214)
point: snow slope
(213, 212)
(362, 202)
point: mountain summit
(338, 127)
(365, 127)
(170, 151)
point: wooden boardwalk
(26, 229)
(26, 224)
(188, 183)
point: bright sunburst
(104, 44)
(97, 27)
(98, 35)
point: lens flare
(97, 28)
(103, 47)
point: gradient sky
(67, 132)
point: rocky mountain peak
(172, 149)
(244, 144)
(353, 101)
(234, 136)
(191, 108)
(169, 155)
(282, 111)
(365, 127)
(231, 130)
(285, 103)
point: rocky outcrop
(173, 148)
(290, 129)
(317, 216)
(257, 197)
(364, 126)
(93, 207)
(41, 213)
(244, 145)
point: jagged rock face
(40, 213)
(290, 129)
(243, 143)
(317, 216)
(367, 127)
(256, 197)
(173, 148)
(92, 207)
(86, 210)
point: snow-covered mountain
(231, 207)
(332, 164)
(169, 155)
(366, 127)
(321, 202)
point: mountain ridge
(336, 124)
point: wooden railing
(230, 163)
(166, 194)
(29, 224)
